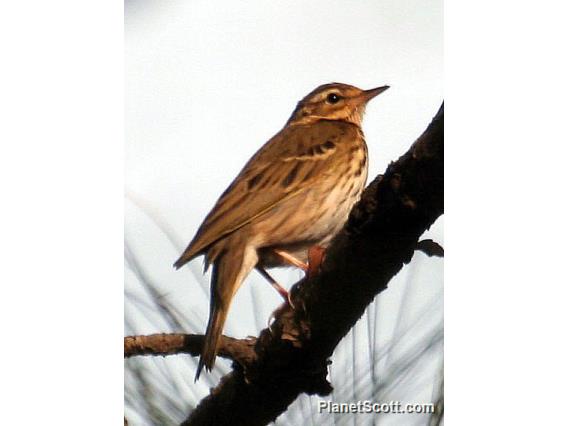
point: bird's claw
(289, 299)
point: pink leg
(281, 290)
(291, 260)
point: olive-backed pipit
(295, 192)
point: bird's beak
(371, 93)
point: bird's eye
(333, 98)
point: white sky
(207, 85)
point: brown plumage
(295, 192)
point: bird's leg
(291, 260)
(281, 290)
(316, 255)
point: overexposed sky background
(207, 83)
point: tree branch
(239, 350)
(379, 238)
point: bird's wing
(285, 166)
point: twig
(239, 350)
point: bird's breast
(319, 212)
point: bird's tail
(229, 271)
(217, 318)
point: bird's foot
(289, 299)
(316, 256)
(284, 293)
(278, 311)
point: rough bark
(380, 236)
(239, 350)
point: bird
(294, 193)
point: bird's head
(334, 101)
